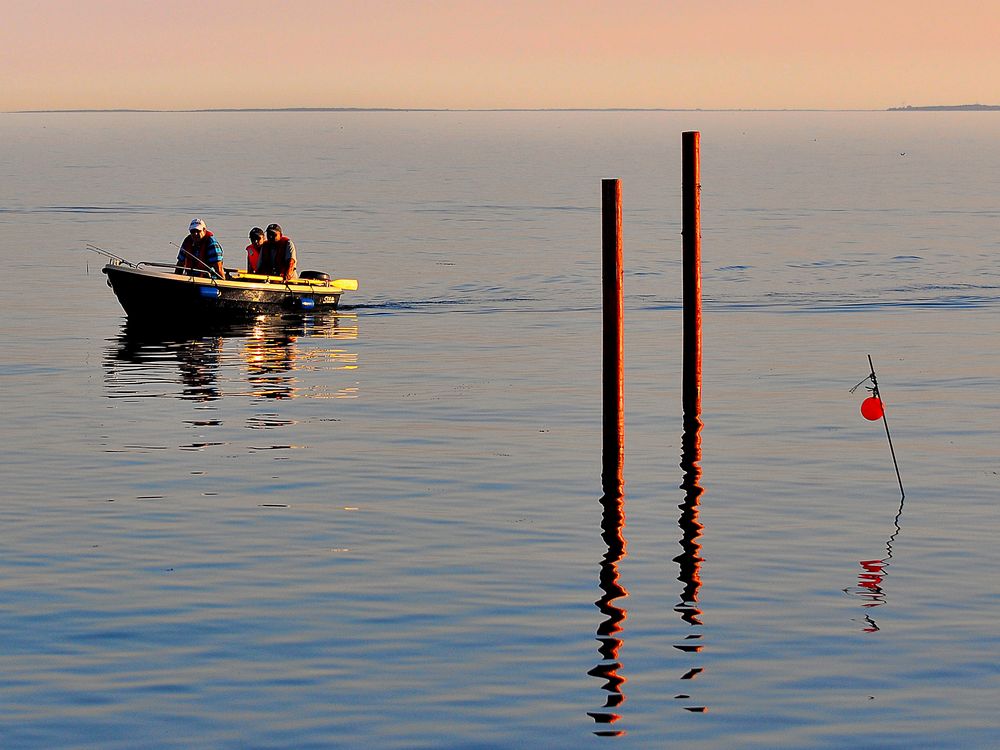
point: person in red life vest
(277, 255)
(253, 249)
(199, 252)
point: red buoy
(871, 409)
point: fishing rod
(874, 411)
(101, 251)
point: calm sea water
(388, 527)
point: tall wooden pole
(614, 417)
(691, 230)
(613, 501)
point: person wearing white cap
(199, 252)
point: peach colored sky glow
(182, 54)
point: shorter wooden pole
(614, 417)
(691, 273)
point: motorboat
(156, 292)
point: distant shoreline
(949, 108)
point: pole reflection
(873, 574)
(609, 630)
(690, 559)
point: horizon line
(139, 110)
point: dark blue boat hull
(158, 296)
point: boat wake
(471, 304)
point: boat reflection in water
(690, 558)
(612, 526)
(872, 576)
(269, 354)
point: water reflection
(690, 559)
(873, 574)
(199, 365)
(270, 358)
(268, 355)
(139, 350)
(612, 526)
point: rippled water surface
(388, 526)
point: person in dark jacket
(199, 251)
(277, 254)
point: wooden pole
(691, 231)
(614, 417)
(613, 501)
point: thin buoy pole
(892, 451)
(614, 417)
(691, 272)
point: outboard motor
(316, 275)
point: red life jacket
(272, 257)
(197, 248)
(253, 258)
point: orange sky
(57, 54)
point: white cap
(197, 224)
